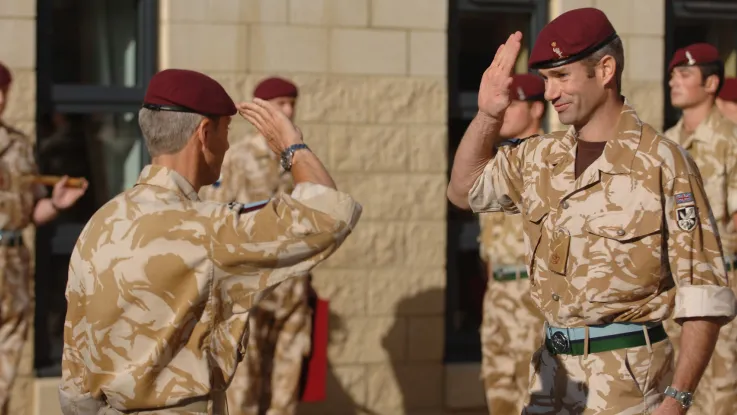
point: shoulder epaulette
(514, 142)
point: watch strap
(288, 153)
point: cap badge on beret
(691, 60)
(557, 50)
(521, 93)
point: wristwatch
(286, 156)
(684, 398)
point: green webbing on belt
(622, 341)
(509, 276)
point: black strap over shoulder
(514, 142)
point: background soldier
(512, 326)
(727, 99)
(696, 75)
(22, 202)
(269, 377)
(161, 283)
(606, 206)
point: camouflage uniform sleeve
(286, 237)
(731, 166)
(695, 252)
(499, 186)
(74, 395)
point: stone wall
(18, 52)
(373, 107)
(641, 25)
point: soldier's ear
(711, 84)
(204, 132)
(538, 109)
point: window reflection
(95, 42)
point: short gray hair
(615, 49)
(167, 132)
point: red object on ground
(317, 365)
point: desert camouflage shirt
(251, 172)
(713, 146)
(18, 194)
(631, 240)
(501, 241)
(161, 283)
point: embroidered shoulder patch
(683, 198)
(686, 218)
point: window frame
(464, 346)
(687, 9)
(59, 238)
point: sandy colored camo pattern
(18, 198)
(511, 329)
(597, 245)
(161, 284)
(713, 146)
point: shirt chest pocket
(623, 250)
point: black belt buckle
(560, 343)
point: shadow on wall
(413, 383)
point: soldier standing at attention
(22, 202)
(511, 327)
(161, 283)
(269, 376)
(616, 243)
(727, 99)
(696, 75)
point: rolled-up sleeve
(695, 253)
(499, 186)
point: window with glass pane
(692, 21)
(95, 42)
(95, 58)
(475, 31)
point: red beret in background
(5, 77)
(698, 53)
(183, 90)
(570, 37)
(527, 87)
(275, 88)
(729, 90)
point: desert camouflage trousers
(618, 382)
(15, 314)
(511, 331)
(717, 390)
(267, 381)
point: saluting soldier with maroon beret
(619, 234)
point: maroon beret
(698, 53)
(5, 77)
(570, 37)
(527, 87)
(275, 88)
(183, 90)
(729, 90)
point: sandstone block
(372, 244)
(340, 13)
(645, 58)
(414, 14)
(335, 99)
(620, 13)
(648, 17)
(428, 53)
(369, 148)
(345, 389)
(428, 148)
(20, 53)
(408, 100)
(265, 11)
(405, 386)
(190, 46)
(407, 291)
(288, 48)
(347, 290)
(425, 243)
(367, 340)
(362, 51)
(18, 8)
(463, 387)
